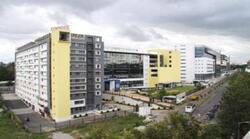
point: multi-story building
(60, 74)
(125, 68)
(204, 68)
(187, 65)
(164, 68)
(207, 63)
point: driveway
(36, 123)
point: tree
(7, 72)
(235, 106)
(176, 126)
(162, 93)
(212, 131)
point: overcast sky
(223, 25)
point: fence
(78, 122)
(7, 89)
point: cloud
(134, 33)
(146, 22)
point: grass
(179, 89)
(115, 126)
(11, 130)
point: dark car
(210, 115)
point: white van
(190, 108)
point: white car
(190, 108)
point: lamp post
(239, 123)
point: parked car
(194, 97)
(190, 108)
(210, 115)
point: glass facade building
(122, 65)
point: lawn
(114, 127)
(9, 129)
(179, 89)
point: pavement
(60, 135)
(22, 111)
(206, 104)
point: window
(64, 36)
(98, 93)
(154, 75)
(98, 79)
(97, 46)
(79, 102)
(97, 39)
(98, 52)
(98, 66)
(161, 60)
(97, 86)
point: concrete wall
(126, 100)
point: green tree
(235, 107)
(212, 131)
(162, 93)
(176, 126)
(7, 72)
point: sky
(223, 25)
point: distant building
(204, 68)
(187, 63)
(207, 56)
(225, 63)
(60, 74)
(164, 68)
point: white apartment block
(32, 74)
(187, 62)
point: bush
(171, 107)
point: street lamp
(239, 123)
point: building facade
(187, 65)
(204, 68)
(60, 74)
(164, 68)
(125, 68)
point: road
(206, 104)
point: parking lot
(14, 104)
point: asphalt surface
(206, 104)
(23, 112)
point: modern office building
(187, 65)
(125, 68)
(204, 68)
(207, 63)
(164, 68)
(60, 74)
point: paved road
(212, 100)
(206, 104)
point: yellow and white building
(164, 68)
(60, 74)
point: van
(190, 108)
